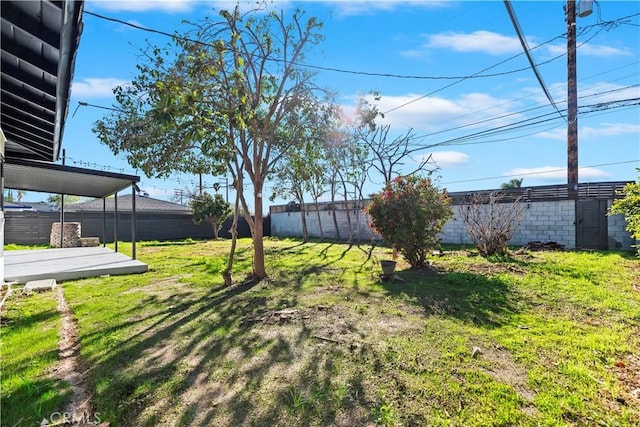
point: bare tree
(491, 220)
(387, 155)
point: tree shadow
(163, 244)
(34, 400)
(476, 298)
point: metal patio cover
(48, 177)
(39, 44)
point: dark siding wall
(28, 228)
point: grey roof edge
(69, 43)
(65, 168)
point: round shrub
(409, 213)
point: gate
(591, 224)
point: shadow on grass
(476, 298)
(32, 401)
(178, 347)
(313, 265)
(208, 360)
(169, 243)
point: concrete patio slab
(67, 264)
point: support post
(104, 222)
(133, 220)
(64, 155)
(115, 221)
(2, 213)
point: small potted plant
(389, 266)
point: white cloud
(599, 51)
(96, 87)
(610, 129)
(360, 7)
(412, 54)
(124, 28)
(478, 41)
(143, 5)
(433, 113)
(555, 173)
(590, 132)
(445, 159)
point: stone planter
(388, 267)
(71, 232)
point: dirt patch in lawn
(627, 370)
(505, 370)
(72, 368)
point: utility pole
(572, 101)
(178, 193)
(572, 92)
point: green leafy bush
(212, 209)
(629, 206)
(409, 213)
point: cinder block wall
(619, 238)
(289, 224)
(543, 221)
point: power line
(341, 70)
(517, 113)
(538, 173)
(525, 46)
(585, 30)
(527, 123)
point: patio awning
(38, 45)
(46, 177)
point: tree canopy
(629, 206)
(228, 95)
(213, 209)
(514, 183)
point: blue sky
(434, 42)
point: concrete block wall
(619, 238)
(541, 221)
(289, 224)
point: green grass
(16, 247)
(29, 343)
(527, 339)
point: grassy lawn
(531, 339)
(29, 349)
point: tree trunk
(304, 221)
(319, 219)
(215, 227)
(228, 273)
(346, 206)
(333, 209)
(259, 271)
